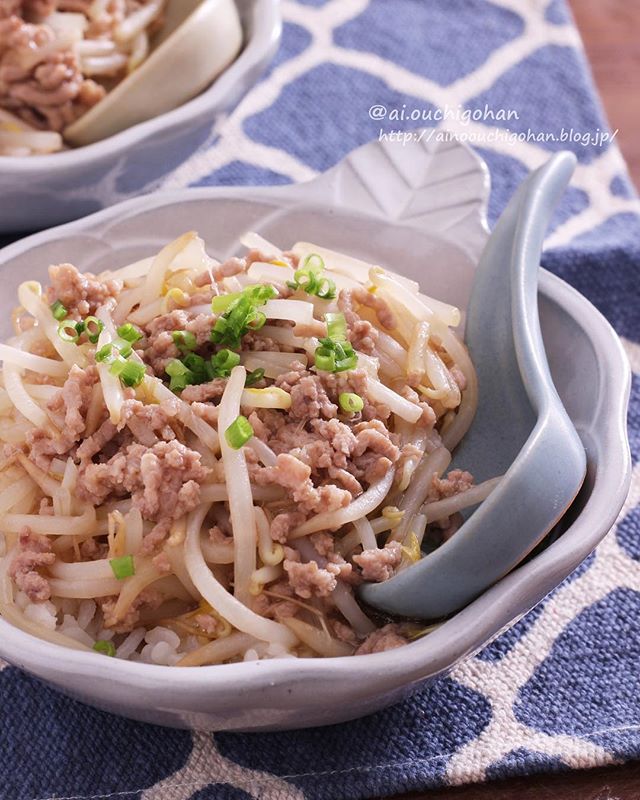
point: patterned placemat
(559, 690)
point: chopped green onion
(326, 289)
(105, 647)
(93, 327)
(335, 355)
(336, 325)
(123, 567)
(222, 302)
(180, 375)
(304, 279)
(124, 346)
(256, 321)
(201, 370)
(239, 432)
(80, 326)
(223, 362)
(58, 310)
(117, 365)
(254, 376)
(132, 373)
(325, 361)
(194, 362)
(241, 314)
(350, 402)
(65, 331)
(314, 262)
(309, 279)
(104, 353)
(185, 341)
(129, 333)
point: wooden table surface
(611, 33)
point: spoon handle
(545, 189)
(549, 464)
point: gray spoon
(520, 430)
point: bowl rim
(264, 33)
(458, 637)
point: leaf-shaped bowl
(419, 209)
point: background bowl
(419, 210)
(40, 191)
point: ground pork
(42, 447)
(284, 523)
(206, 411)
(453, 483)
(34, 553)
(295, 477)
(375, 451)
(158, 347)
(429, 417)
(309, 398)
(386, 638)
(68, 409)
(39, 83)
(379, 564)
(255, 342)
(81, 293)
(316, 395)
(148, 599)
(309, 579)
(211, 625)
(204, 392)
(148, 423)
(163, 480)
(232, 266)
(92, 445)
(361, 333)
(69, 406)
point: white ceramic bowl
(39, 191)
(422, 213)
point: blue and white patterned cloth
(557, 691)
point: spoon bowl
(198, 40)
(521, 428)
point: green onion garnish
(314, 261)
(350, 402)
(222, 302)
(105, 647)
(58, 310)
(325, 361)
(334, 355)
(239, 432)
(93, 327)
(240, 315)
(325, 289)
(309, 279)
(304, 279)
(131, 373)
(67, 331)
(336, 326)
(185, 341)
(123, 567)
(180, 375)
(129, 333)
(223, 362)
(104, 353)
(124, 346)
(201, 370)
(254, 376)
